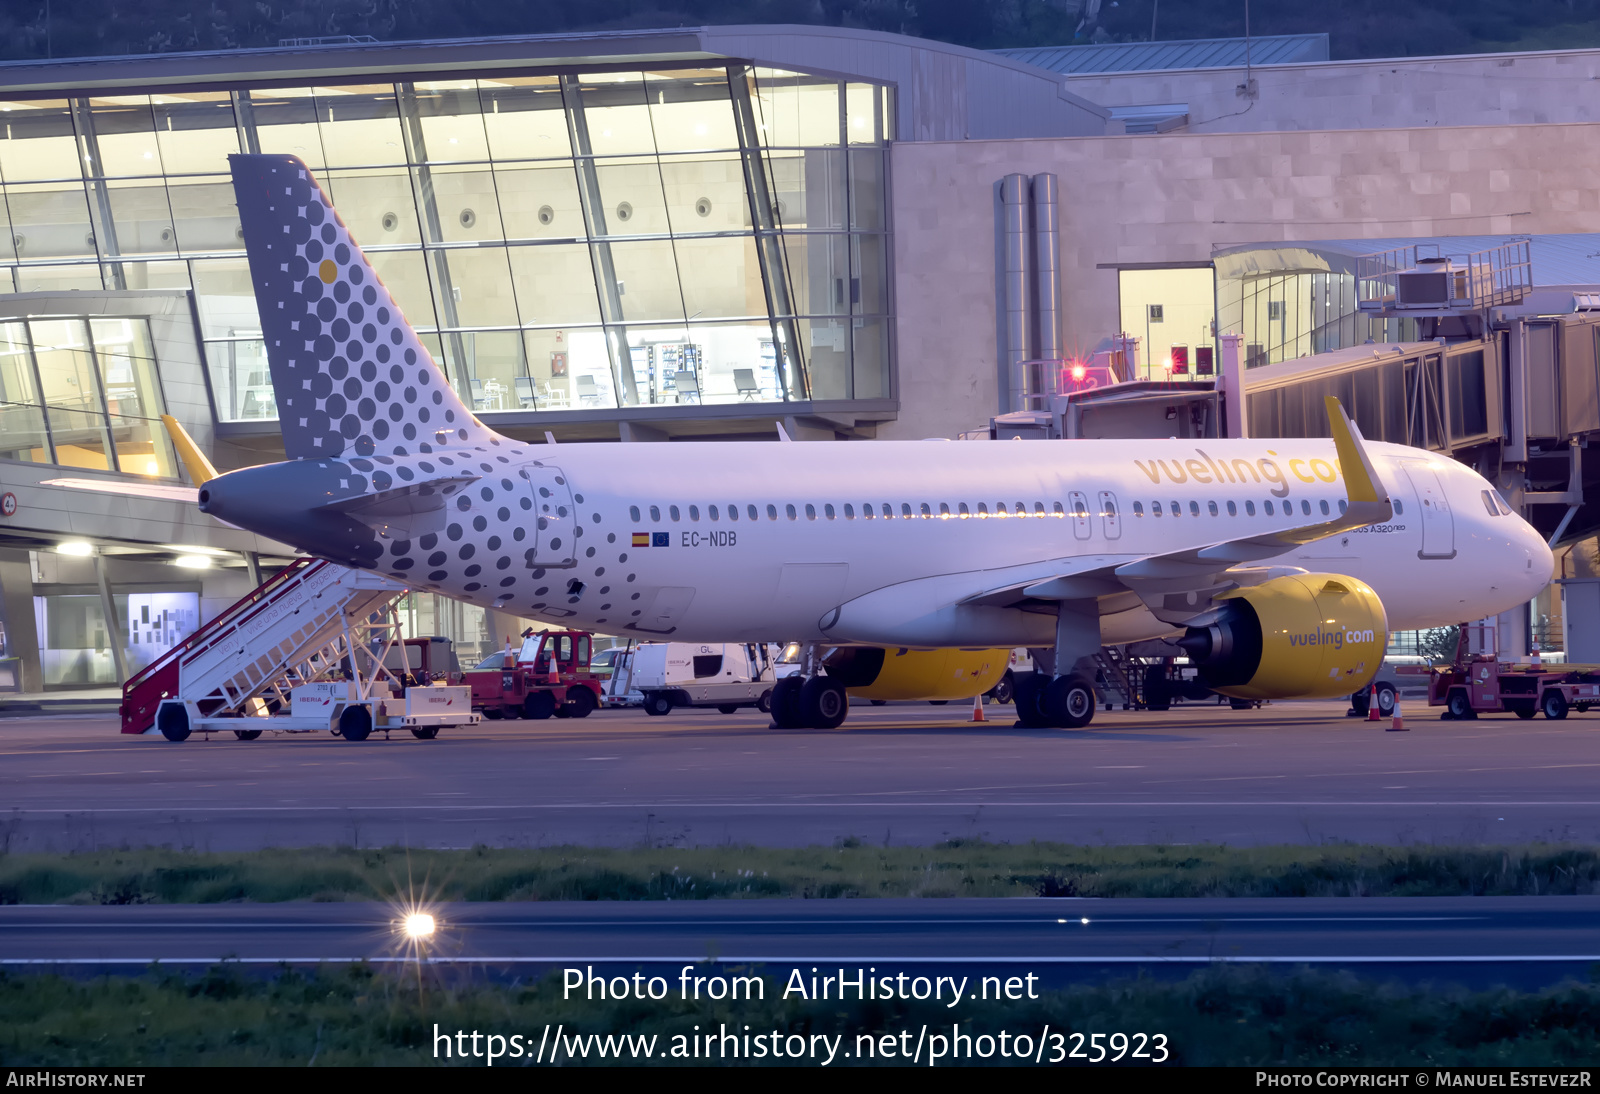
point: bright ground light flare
(418, 925)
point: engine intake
(1303, 636)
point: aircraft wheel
(580, 702)
(786, 703)
(173, 721)
(355, 723)
(1524, 709)
(247, 734)
(1028, 693)
(1069, 700)
(729, 708)
(1554, 705)
(658, 703)
(539, 706)
(425, 733)
(1459, 706)
(823, 703)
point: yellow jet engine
(1302, 636)
(875, 673)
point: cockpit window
(1488, 503)
(1505, 509)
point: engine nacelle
(875, 673)
(1302, 636)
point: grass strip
(354, 1016)
(851, 869)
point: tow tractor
(549, 675)
(1480, 683)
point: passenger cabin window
(1038, 508)
(789, 509)
(1249, 508)
(827, 511)
(1155, 509)
(694, 512)
(866, 511)
(1233, 510)
(1305, 508)
(633, 513)
(733, 512)
(888, 511)
(672, 511)
(983, 510)
(905, 510)
(751, 512)
(811, 511)
(1177, 510)
(1194, 509)
(944, 510)
(1057, 511)
(1324, 506)
(927, 513)
(655, 513)
(1212, 506)
(1267, 506)
(1342, 506)
(772, 512)
(962, 511)
(1399, 507)
(849, 511)
(1138, 508)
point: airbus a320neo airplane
(908, 567)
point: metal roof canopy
(1558, 260)
(1273, 49)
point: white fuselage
(760, 541)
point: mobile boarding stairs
(308, 651)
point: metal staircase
(1118, 671)
(298, 625)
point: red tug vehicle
(1481, 683)
(550, 675)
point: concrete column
(116, 629)
(16, 612)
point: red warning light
(1078, 372)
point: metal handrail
(1489, 278)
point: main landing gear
(817, 702)
(1064, 701)
(809, 700)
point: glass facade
(1288, 314)
(686, 235)
(83, 393)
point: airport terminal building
(695, 234)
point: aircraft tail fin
(351, 376)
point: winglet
(200, 469)
(1361, 480)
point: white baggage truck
(663, 675)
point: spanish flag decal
(641, 539)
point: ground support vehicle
(726, 676)
(549, 676)
(308, 651)
(1481, 683)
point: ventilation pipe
(1047, 269)
(1016, 282)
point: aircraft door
(556, 519)
(1110, 515)
(1438, 523)
(1082, 524)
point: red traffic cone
(1533, 654)
(1372, 705)
(977, 709)
(1399, 723)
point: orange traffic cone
(977, 709)
(1372, 705)
(1399, 723)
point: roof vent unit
(1586, 301)
(1435, 283)
(1408, 280)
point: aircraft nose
(1539, 562)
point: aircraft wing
(1180, 586)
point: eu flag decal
(659, 539)
(641, 539)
